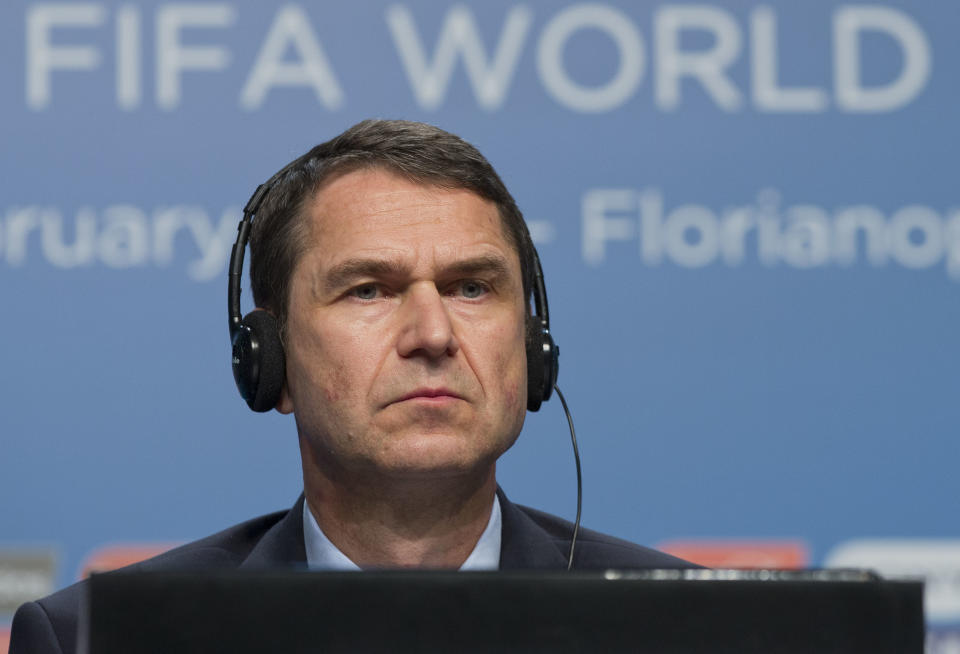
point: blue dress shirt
(324, 555)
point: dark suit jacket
(530, 539)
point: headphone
(259, 366)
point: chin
(438, 458)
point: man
(398, 272)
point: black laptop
(614, 611)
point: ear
(285, 405)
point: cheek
(512, 397)
(317, 374)
(336, 376)
(513, 370)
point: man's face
(405, 333)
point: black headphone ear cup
(534, 364)
(259, 365)
(542, 360)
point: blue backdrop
(747, 213)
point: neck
(400, 522)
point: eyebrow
(487, 264)
(347, 272)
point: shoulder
(224, 549)
(49, 625)
(595, 550)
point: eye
(366, 292)
(472, 289)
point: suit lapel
(282, 544)
(524, 544)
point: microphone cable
(576, 458)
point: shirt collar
(324, 555)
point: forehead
(377, 209)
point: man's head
(405, 338)
(419, 152)
(400, 271)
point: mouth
(430, 396)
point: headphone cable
(576, 458)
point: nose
(427, 329)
